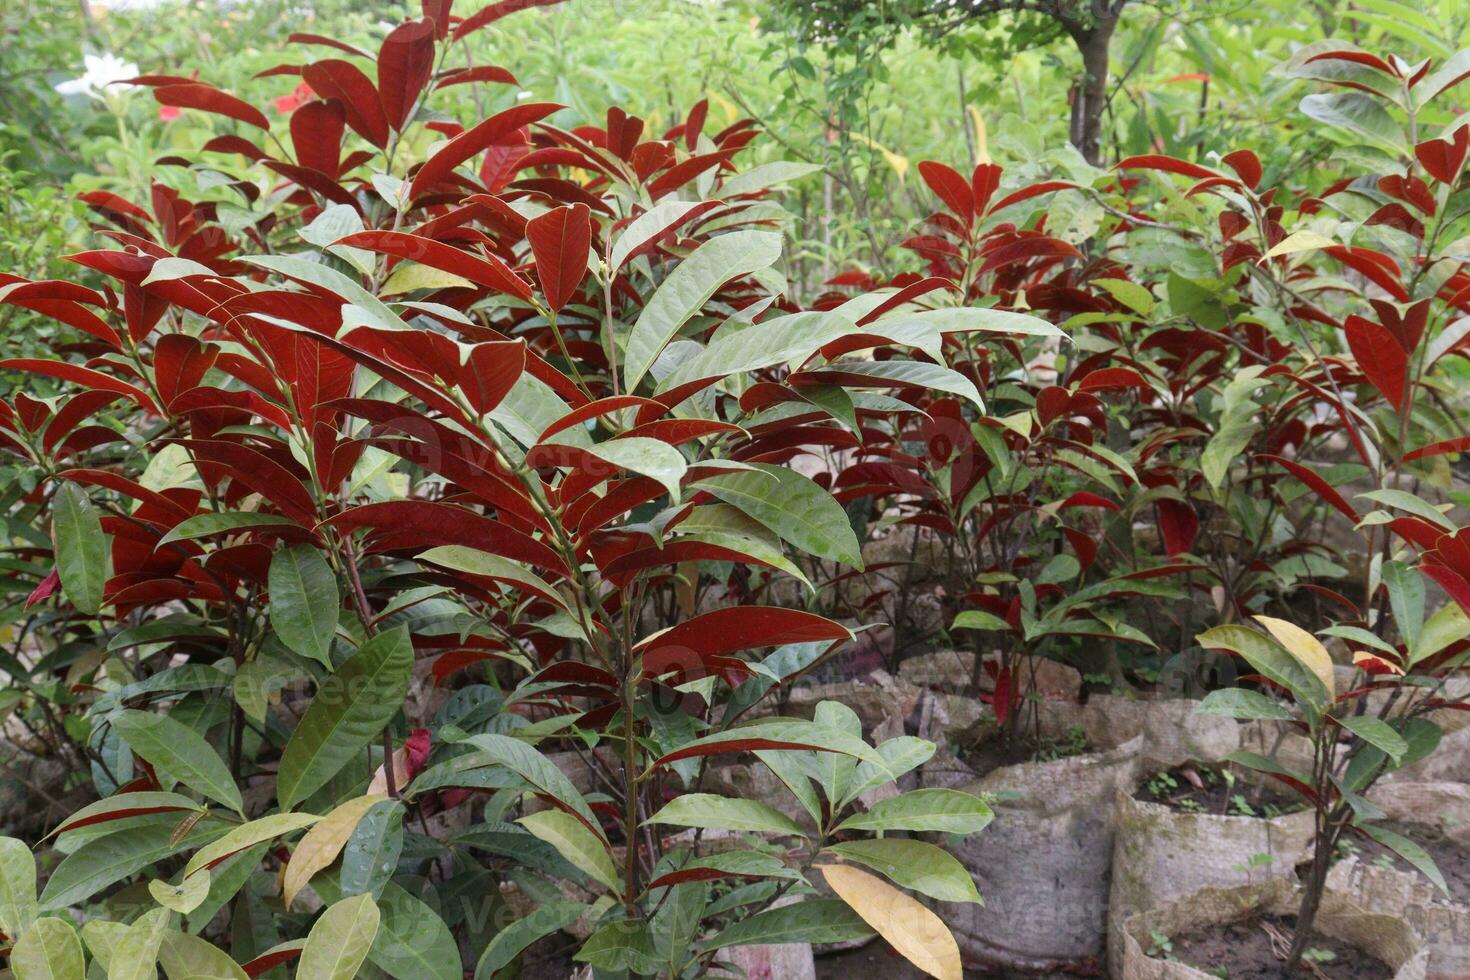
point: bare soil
(1255, 949)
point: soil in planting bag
(1386, 937)
(1171, 730)
(1161, 853)
(1378, 881)
(1042, 864)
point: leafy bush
(379, 478)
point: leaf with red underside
(88, 378)
(1113, 379)
(1179, 525)
(1443, 158)
(45, 590)
(334, 78)
(207, 98)
(273, 957)
(120, 806)
(1459, 444)
(1322, 488)
(952, 189)
(467, 144)
(1380, 357)
(418, 524)
(316, 135)
(405, 64)
(736, 628)
(1167, 164)
(1246, 165)
(560, 240)
(485, 270)
(495, 11)
(490, 371)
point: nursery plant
(404, 467)
(1402, 319)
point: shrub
(405, 454)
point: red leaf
(1035, 190)
(490, 371)
(418, 524)
(75, 373)
(1179, 525)
(1451, 581)
(45, 590)
(596, 409)
(495, 11)
(479, 73)
(1246, 165)
(1112, 379)
(560, 240)
(951, 188)
(405, 64)
(438, 12)
(1459, 444)
(486, 271)
(1380, 357)
(1168, 164)
(270, 959)
(734, 628)
(197, 95)
(316, 135)
(1323, 489)
(334, 78)
(1442, 158)
(1084, 498)
(467, 144)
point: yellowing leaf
(339, 941)
(1302, 241)
(982, 143)
(408, 276)
(184, 897)
(917, 933)
(323, 843)
(575, 843)
(1304, 647)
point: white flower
(102, 70)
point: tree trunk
(1093, 41)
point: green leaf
(1406, 597)
(914, 865)
(537, 770)
(584, 849)
(1447, 626)
(81, 547)
(304, 602)
(186, 957)
(1130, 294)
(413, 940)
(793, 507)
(1271, 661)
(180, 752)
(745, 864)
(1409, 851)
(1237, 702)
(248, 835)
(135, 952)
(975, 619)
(516, 937)
(622, 946)
(822, 920)
(18, 906)
(967, 319)
(108, 860)
(50, 950)
(339, 941)
(204, 525)
(723, 813)
(779, 734)
(1377, 733)
(902, 754)
(691, 285)
(907, 374)
(370, 856)
(948, 811)
(1359, 114)
(348, 712)
(1405, 501)
(646, 457)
